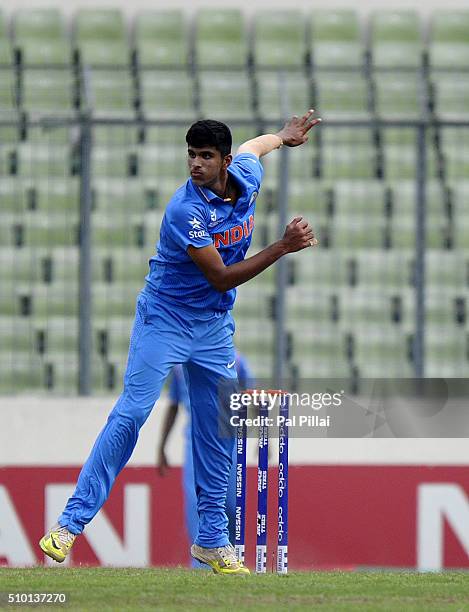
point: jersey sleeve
(187, 225)
(249, 167)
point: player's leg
(231, 499)
(152, 354)
(211, 378)
(190, 498)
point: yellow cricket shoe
(57, 543)
(222, 560)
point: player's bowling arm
(293, 134)
(298, 235)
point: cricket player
(178, 394)
(183, 317)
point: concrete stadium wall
(25, 422)
(130, 8)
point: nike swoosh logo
(230, 365)
(54, 544)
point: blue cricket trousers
(164, 335)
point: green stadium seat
(50, 264)
(5, 47)
(44, 23)
(114, 161)
(451, 96)
(311, 198)
(21, 372)
(49, 91)
(112, 94)
(455, 149)
(279, 39)
(294, 86)
(383, 352)
(225, 96)
(398, 95)
(336, 39)
(447, 269)
(348, 153)
(331, 269)
(101, 37)
(220, 39)
(42, 195)
(449, 39)
(116, 299)
(302, 164)
(341, 95)
(120, 265)
(164, 162)
(396, 39)
(447, 308)
(383, 306)
(319, 351)
(446, 352)
(7, 90)
(131, 231)
(41, 38)
(389, 270)
(400, 157)
(167, 95)
(161, 39)
(356, 233)
(15, 336)
(38, 160)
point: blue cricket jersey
(196, 216)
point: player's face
(206, 165)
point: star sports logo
(197, 231)
(195, 223)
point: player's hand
(294, 132)
(298, 235)
(162, 464)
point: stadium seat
(399, 95)
(40, 37)
(383, 352)
(382, 306)
(348, 153)
(164, 162)
(101, 37)
(449, 39)
(292, 89)
(21, 372)
(388, 270)
(311, 198)
(455, 149)
(225, 96)
(120, 265)
(44, 159)
(114, 160)
(167, 95)
(112, 94)
(279, 39)
(446, 352)
(45, 196)
(220, 39)
(451, 95)
(161, 39)
(400, 154)
(48, 91)
(396, 39)
(319, 351)
(447, 270)
(341, 95)
(8, 89)
(336, 39)
(5, 47)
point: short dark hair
(210, 133)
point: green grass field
(166, 589)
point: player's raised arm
(293, 134)
(298, 235)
